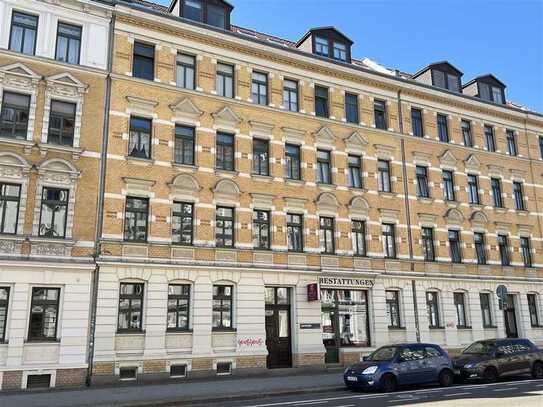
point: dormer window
(486, 87)
(321, 46)
(490, 93)
(445, 80)
(326, 42)
(340, 51)
(442, 75)
(212, 12)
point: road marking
(310, 403)
(457, 394)
(509, 388)
(347, 405)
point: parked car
(402, 364)
(493, 358)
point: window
(224, 81)
(393, 309)
(261, 157)
(351, 108)
(292, 161)
(380, 114)
(466, 133)
(68, 43)
(389, 240)
(193, 10)
(490, 93)
(355, 171)
(216, 15)
(185, 69)
(448, 185)
(432, 307)
(222, 307)
(358, 237)
(473, 189)
(144, 61)
(503, 246)
(184, 145)
(260, 88)
(225, 152)
(178, 370)
(480, 251)
(224, 227)
(130, 307)
(295, 232)
(61, 123)
(136, 216)
(454, 246)
(326, 235)
(128, 373)
(178, 307)
(486, 309)
(10, 196)
(44, 314)
(290, 95)
(497, 95)
(427, 235)
(4, 302)
(321, 101)
(14, 115)
(321, 46)
(541, 146)
(53, 212)
(511, 143)
(416, 122)
(324, 170)
(519, 196)
(423, 190)
(261, 229)
(442, 128)
(532, 309)
(489, 138)
(496, 192)
(139, 143)
(445, 80)
(24, 29)
(460, 305)
(182, 223)
(383, 169)
(340, 51)
(526, 251)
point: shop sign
(310, 326)
(313, 292)
(346, 282)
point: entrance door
(510, 318)
(278, 337)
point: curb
(232, 397)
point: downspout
(408, 216)
(100, 206)
(532, 174)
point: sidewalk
(168, 394)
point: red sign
(313, 292)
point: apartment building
(271, 203)
(52, 92)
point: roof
(483, 78)
(172, 3)
(458, 71)
(311, 30)
(154, 6)
(262, 36)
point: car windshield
(480, 348)
(383, 354)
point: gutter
(100, 206)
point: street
(516, 392)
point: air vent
(178, 370)
(38, 381)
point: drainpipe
(408, 216)
(100, 206)
(532, 173)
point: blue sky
(478, 36)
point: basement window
(38, 381)
(128, 373)
(178, 371)
(224, 368)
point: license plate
(352, 378)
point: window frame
(140, 132)
(3, 206)
(433, 309)
(423, 187)
(295, 226)
(185, 68)
(541, 147)
(145, 59)
(327, 232)
(358, 238)
(518, 196)
(449, 193)
(69, 37)
(473, 189)
(44, 303)
(178, 310)
(18, 110)
(4, 310)
(136, 211)
(384, 176)
(503, 249)
(443, 128)
(180, 145)
(63, 117)
(533, 310)
(222, 299)
(417, 122)
(428, 246)
(380, 116)
(496, 188)
(323, 101)
(480, 247)
(224, 77)
(467, 135)
(57, 203)
(393, 308)
(258, 225)
(461, 314)
(352, 114)
(455, 242)
(293, 161)
(261, 166)
(288, 93)
(490, 138)
(222, 236)
(511, 139)
(182, 216)
(260, 85)
(25, 28)
(388, 233)
(222, 151)
(526, 251)
(131, 308)
(324, 167)
(486, 304)
(355, 171)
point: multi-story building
(53, 64)
(246, 174)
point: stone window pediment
(517, 174)
(141, 107)
(262, 201)
(186, 110)
(226, 117)
(356, 143)
(325, 137)
(495, 170)
(138, 186)
(327, 203)
(384, 152)
(15, 169)
(359, 208)
(503, 227)
(448, 159)
(389, 215)
(184, 186)
(227, 191)
(472, 163)
(427, 219)
(293, 135)
(422, 158)
(261, 129)
(479, 220)
(295, 204)
(454, 217)
(525, 230)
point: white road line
(310, 403)
(346, 405)
(509, 388)
(456, 394)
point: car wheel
(388, 382)
(446, 378)
(537, 370)
(490, 375)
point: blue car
(402, 364)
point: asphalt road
(518, 393)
